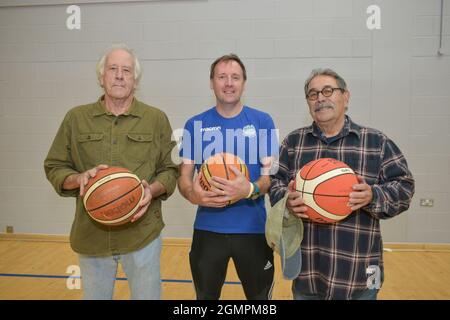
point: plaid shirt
(336, 256)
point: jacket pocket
(140, 147)
(90, 148)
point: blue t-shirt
(251, 135)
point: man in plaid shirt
(342, 260)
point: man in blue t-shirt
(223, 231)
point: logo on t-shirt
(207, 129)
(249, 131)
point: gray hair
(325, 72)
(100, 68)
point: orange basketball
(112, 197)
(325, 185)
(219, 165)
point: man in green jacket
(117, 130)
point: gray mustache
(323, 106)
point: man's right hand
(81, 179)
(204, 198)
(295, 203)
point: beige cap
(284, 234)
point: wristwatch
(256, 193)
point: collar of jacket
(133, 110)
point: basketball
(325, 185)
(219, 165)
(112, 197)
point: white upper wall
(398, 84)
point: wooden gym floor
(37, 267)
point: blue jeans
(142, 267)
(369, 294)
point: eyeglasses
(326, 92)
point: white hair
(100, 68)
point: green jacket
(139, 140)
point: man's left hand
(234, 190)
(145, 202)
(361, 195)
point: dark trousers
(252, 257)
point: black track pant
(252, 257)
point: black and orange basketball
(325, 185)
(219, 165)
(112, 197)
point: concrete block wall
(398, 84)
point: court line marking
(49, 276)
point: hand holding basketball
(361, 196)
(145, 202)
(83, 178)
(114, 195)
(216, 173)
(325, 185)
(204, 198)
(295, 203)
(235, 189)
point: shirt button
(114, 141)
